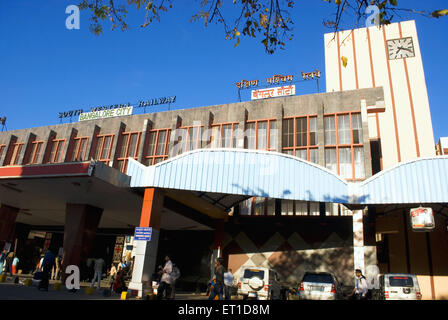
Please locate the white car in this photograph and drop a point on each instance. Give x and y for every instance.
(259, 283)
(399, 286)
(320, 286)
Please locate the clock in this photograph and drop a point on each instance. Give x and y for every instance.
(400, 48)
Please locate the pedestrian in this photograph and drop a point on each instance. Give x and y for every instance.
(39, 265)
(2, 260)
(373, 282)
(360, 290)
(112, 272)
(219, 284)
(98, 269)
(15, 263)
(47, 265)
(166, 280)
(228, 284)
(8, 263)
(55, 273)
(174, 276)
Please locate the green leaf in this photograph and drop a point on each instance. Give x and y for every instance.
(440, 13)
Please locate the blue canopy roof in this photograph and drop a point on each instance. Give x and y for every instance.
(275, 175)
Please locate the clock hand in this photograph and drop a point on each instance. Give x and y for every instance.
(402, 48)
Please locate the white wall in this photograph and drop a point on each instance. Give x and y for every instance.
(368, 66)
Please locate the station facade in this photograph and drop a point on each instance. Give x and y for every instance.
(320, 182)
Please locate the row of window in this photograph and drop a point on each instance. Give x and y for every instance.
(343, 141)
(259, 206)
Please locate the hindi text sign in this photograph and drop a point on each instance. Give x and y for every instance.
(273, 92)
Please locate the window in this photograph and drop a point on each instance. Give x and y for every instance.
(188, 139)
(129, 148)
(261, 135)
(157, 146)
(80, 149)
(299, 208)
(258, 206)
(57, 151)
(37, 148)
(2, 151)
(300, 137)
(224, 135)
(104, 148)
(344, 152)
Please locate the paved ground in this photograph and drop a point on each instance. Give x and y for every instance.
(11, 291)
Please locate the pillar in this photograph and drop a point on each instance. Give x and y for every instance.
(217, 246)
(81, 222)
(358, 240)
(146, 251)
(8, 216)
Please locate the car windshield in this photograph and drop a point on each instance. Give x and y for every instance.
(320, 278)
(397, 281)
(250, 273)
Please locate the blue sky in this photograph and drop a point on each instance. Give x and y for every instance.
(46, 68)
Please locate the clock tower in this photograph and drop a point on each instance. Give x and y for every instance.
(389, 57)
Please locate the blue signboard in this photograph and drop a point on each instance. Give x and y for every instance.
(143, 233)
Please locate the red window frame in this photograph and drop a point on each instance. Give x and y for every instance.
(80, 154)
(123, 158)
(198, 138)
(57, 149)
(99, 154)
(308, 146)
(350, 146)
(268, 134)
(17, 148)
(37, 147)
(221, 125)
(2, 149)
(154, 158)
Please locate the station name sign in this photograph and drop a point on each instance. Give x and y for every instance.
(273, 92)
(102, 114)
(140, 104)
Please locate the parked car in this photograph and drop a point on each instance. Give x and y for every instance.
(399, 286)
(259, 283)
(320, 286)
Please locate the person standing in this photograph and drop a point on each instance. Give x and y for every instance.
(2, 260)
(219, 284)
(55, 273)
(98, 270)
(47, 265)
(175, 274)
(228, 284)
(361, 289)
(8, 263)
(166, 280)
(373, 282)
(15, 263)
(112, 272)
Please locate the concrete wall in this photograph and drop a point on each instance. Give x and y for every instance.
(275, 108)
(293, 247)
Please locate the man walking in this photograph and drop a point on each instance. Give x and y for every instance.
(219, 284)
(47, 265)
(228, 284)
(98, 269)
(166, 280)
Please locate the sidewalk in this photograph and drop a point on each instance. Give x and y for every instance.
(11, 291)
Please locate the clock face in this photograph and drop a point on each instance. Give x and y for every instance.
(400, 48)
